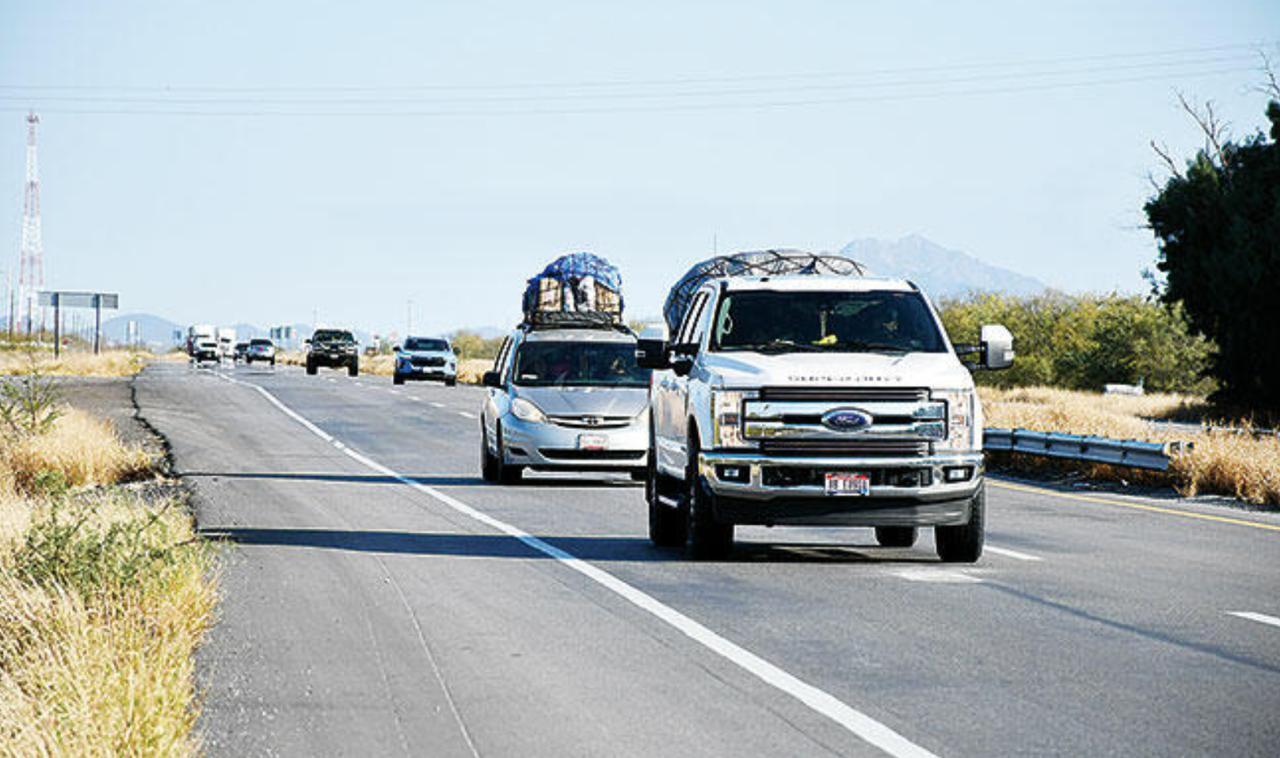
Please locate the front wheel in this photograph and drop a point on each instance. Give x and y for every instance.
(896, 536)
(668, 526)
(963, 543)
(397, 379)
(311, 369)
(708, 538)
(488, 463)
(451, 382)
(508, 473)
(353, 369)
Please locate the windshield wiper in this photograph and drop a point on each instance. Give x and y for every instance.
(875, 347)
(781, 346)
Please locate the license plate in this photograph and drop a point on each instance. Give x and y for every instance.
(593, 442)
(848, 484)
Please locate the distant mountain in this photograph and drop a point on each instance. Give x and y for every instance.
(153, 331)
(939, 271)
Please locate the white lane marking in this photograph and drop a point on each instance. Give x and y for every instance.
(464, 414)
(394, 392)
(1007, 553)
(332, 379)
(436, 405)
(1261, 618)
(821, 701)
(936, 575)
(414, 399)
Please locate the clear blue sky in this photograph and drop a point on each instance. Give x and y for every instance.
(352, 207)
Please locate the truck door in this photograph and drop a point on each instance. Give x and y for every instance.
(672, 433)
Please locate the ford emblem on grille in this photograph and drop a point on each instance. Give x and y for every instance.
(846, 420)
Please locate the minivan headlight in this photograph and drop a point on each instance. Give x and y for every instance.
(961, 429)
(726, 418)
(527, 411)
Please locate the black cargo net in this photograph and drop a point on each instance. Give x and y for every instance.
(755, 263)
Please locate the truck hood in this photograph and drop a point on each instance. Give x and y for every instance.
(751, 370)
(577, 401)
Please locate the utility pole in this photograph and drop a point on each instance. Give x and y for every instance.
(31, 255)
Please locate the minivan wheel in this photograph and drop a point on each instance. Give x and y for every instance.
(963, 543)
(451, 382)
(508, 473)
(488, 463)
(708, 539)
(896, 536)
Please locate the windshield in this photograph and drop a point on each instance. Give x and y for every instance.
(579, 364)
(438, 346)
(260, 343)
(842, 322)
(332, 335)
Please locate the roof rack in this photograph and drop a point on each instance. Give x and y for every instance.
(779, 262)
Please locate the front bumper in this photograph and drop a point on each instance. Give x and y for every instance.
(553, 446)
(410, 371)
(905, 491)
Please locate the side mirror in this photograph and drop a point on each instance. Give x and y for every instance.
(651, 347)
(492, 379)
(682, 363)
(997, 347)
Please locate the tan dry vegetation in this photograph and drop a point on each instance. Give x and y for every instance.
(104, 595)
(1232, 463)
(107, 363)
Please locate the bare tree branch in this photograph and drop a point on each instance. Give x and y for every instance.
(1163, 152)
(1270, 87)
(1215, 131)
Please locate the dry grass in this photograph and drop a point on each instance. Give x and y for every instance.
(82, 448)
(107, 363)
(104, 596)
(1229, 463)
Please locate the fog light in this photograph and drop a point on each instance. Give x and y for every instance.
(733, 473)
(958, 473)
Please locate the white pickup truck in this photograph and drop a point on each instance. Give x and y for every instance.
(815, 400)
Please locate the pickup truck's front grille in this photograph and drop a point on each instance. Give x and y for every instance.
(814, 476)
(848, 394)
(852, 447)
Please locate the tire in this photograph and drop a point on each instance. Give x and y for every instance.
(273, 363)
(451, 382)
(353, 369)
(963, 543)
(668, 527)
(311, 369)
(508, 473)
(896, 536)
(709, 540)
(488, 463)
(397, 379)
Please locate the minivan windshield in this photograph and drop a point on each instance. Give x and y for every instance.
(578, 364)
(841, 322)
(415, 343)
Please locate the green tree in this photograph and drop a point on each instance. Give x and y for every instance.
(1217, 224)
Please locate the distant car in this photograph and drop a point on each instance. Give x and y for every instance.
(241, 350)
(333, 348)
(260, 350)
(204, 349)
(425, 358)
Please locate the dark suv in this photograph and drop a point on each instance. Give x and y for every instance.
(333, 348)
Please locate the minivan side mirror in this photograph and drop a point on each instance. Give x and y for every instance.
(492, 379)
(997, 347)
(651, 348)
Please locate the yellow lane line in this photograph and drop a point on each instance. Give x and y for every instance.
(1138, 506)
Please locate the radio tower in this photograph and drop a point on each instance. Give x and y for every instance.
(31, 256)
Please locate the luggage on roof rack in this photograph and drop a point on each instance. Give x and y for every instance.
(579, 289)
(753, 263)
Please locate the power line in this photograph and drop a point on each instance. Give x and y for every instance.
(653, 108)
(678, 81)
(598, 96)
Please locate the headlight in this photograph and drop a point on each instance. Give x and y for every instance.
(726, 418)
(962, 431)
(527, 411)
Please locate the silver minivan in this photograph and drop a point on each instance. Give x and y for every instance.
(567, 399)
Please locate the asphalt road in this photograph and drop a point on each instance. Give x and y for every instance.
(379, 598)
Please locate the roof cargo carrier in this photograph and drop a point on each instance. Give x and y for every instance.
(575, 290)
(754, 263)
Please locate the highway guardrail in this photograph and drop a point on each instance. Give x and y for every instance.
(1153, 456)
